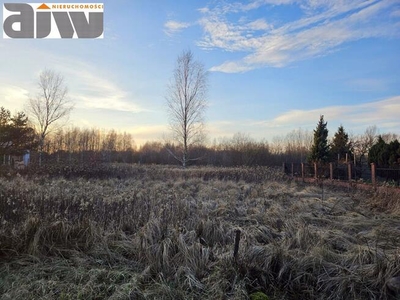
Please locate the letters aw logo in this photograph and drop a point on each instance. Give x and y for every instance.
(53, 20)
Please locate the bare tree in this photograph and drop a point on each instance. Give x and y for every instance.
(390, 137)
(186, 100)
(363, 143)
(50, 105)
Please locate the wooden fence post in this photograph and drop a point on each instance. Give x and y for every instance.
(373, 175)
(331, 171)
(315, 170)
(349, 170)
(302, 171)
(284, 168)
(292, 169)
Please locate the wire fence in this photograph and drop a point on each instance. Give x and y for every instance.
(349, 172)
(345, 172)
(388, 176)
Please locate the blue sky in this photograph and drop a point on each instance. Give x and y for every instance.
(275, 65)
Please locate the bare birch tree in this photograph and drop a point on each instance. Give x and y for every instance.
(186, 101)
(50, 106)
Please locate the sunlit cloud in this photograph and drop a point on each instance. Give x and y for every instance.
(143, 134)
(96, 92)
(90, 88)
(356, 118)
(381, 113)
(13, 97)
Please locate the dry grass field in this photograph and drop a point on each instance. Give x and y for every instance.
(155, 232)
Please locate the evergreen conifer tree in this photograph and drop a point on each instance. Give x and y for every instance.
(320, 148)
(340, 144)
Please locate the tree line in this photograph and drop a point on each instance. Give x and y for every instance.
(49, 109)
(74, 144)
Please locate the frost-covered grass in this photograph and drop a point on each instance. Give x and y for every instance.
(167, 233)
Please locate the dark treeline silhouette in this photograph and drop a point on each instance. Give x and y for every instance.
(76, 145)
(91, 145)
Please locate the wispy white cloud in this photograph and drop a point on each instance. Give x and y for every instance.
(12, 97)
(259, 24)
(322, 29)
(231, 67)
(93, 91)
(380, 113)
(91, 87)
(172, 27)
(356, 118)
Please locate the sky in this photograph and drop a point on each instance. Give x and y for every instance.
(274, 66)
